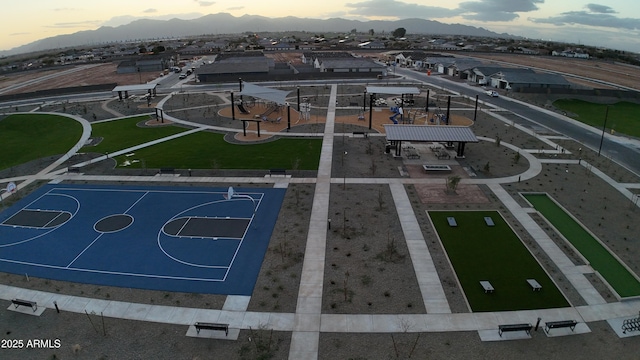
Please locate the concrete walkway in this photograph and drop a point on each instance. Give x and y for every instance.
(306, 332)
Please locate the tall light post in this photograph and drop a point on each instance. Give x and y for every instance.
(604, 127)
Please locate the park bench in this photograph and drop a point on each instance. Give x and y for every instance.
(535, 285)
(429, 167)
(361, 133)
(167, 171)
(73, 169)
(32, 304)
(488, 288)
(559, 324)
(212, 326)
(514, 327)
(282, 172)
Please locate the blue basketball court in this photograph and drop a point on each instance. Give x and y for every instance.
(162, 238)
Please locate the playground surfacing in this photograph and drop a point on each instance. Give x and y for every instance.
(159, 238)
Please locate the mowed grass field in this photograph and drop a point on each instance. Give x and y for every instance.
(479, 252)
(27, 137)
(124, 133)
(601, 259)
(201, 150)
(623, 117)
(206, 150)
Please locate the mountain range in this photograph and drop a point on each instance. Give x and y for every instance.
(224, 23)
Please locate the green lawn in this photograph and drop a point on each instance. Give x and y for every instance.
(624, 283)
(624, 117)
(206, 150)
(122, 134)
(27, 137)
(496, 254)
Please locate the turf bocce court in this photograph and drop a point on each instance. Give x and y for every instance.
(494, 253)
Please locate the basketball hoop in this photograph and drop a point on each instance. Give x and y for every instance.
(11, 187)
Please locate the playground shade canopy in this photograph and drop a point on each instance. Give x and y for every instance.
(265, 93)
(427, 133)
(393, 90)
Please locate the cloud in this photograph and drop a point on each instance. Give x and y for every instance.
(78, 24)
(235, 8)
(497, 10)
(150, 11)
(596, 18)
(398, 9)
(600, 9)
(20, 34)
(205, 3)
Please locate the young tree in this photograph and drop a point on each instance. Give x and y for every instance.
(452, 183)
(399, 32)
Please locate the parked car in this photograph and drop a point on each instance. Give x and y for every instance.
(492, 93)
(182, 76)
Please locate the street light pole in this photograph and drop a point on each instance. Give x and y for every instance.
(604, 127)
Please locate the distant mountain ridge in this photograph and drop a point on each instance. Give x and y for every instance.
(224, 23)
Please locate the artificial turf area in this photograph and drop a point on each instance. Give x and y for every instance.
(27, 137)
(479, 252)
(600, 258)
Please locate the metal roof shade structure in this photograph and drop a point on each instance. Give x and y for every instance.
(393, 90)
(430, 133)
(265, 93)
(136, 87)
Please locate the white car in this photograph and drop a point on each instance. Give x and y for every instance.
(492, 93)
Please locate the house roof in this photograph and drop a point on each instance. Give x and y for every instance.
(349, 63)
(236, 66)
(532, 78)
(428, 133)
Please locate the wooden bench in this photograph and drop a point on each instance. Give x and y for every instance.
(277, 172)
(361, 133)
(535, 285)
(73, 169)
(514, 327)
(32, 304)
(559, 324)
(167, 171)
(488, 288)
(212, 326)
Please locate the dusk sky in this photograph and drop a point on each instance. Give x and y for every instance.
(611, 23)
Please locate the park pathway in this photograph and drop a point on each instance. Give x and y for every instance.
(305, 338)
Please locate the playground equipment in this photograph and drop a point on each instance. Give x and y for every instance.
(439, 119)
(305, 111)
(242, 109)
(396, 111)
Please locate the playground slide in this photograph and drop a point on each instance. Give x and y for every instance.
(396, 111)
(242, 109)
